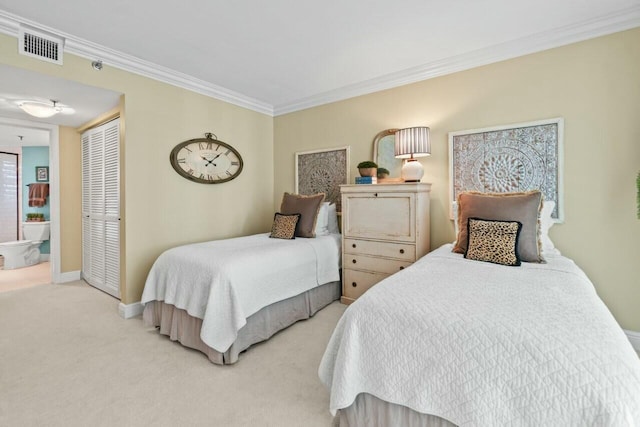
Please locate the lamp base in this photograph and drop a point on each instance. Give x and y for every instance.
(412, 171)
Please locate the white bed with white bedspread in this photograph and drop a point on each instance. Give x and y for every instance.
(225, 282)
(480, 344)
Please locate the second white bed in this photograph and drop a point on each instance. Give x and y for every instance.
(481, 344)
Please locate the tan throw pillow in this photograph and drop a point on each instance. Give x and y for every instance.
(493, 241)
(307, 207)
(284, 226)
(522, 207)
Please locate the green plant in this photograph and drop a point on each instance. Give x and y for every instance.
(382, 171)
(367, 164)
(32, 216)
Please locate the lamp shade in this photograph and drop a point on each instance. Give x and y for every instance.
(412, 142)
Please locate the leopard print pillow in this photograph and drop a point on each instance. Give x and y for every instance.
(284, 226)
(493, 241)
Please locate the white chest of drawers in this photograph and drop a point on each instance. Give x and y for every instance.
(385, 228)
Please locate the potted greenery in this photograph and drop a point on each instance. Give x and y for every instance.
(368, 168)
(383, 173)
(31, 217)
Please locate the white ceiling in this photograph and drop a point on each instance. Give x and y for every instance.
(19, 136)
(19, 84)
(282, 55)
(87, 101)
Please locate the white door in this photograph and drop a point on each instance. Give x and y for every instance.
(8, 197)
(101, 207)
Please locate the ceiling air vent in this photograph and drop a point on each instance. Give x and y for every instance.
(40, 44)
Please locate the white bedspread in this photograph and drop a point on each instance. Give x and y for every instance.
(485, 345)
(225, 281)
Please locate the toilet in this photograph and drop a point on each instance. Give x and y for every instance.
(23, 253)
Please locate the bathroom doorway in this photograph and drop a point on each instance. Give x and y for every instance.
(22, 151)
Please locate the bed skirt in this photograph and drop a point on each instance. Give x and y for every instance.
(369, 411)
(179, 326)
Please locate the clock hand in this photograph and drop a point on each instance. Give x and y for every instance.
(208, 161)
(211, 161)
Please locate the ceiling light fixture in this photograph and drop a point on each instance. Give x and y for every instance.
(39, 109)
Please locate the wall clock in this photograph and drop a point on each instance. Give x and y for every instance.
(206, 160)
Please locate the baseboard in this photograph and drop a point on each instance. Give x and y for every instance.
(634, 338)
(69, 276)
(127, 311)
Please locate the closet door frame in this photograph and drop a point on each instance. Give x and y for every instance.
(101, 206)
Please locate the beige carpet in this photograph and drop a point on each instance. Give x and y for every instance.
(68, 359)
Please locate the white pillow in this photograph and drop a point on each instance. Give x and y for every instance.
(333, 219)
(322, 222)
(546, 222)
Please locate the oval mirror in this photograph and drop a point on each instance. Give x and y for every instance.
(383, 152)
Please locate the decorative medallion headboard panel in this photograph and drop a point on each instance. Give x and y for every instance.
(322, 171)
(510, 158)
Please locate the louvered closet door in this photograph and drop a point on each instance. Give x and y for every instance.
(101, 207)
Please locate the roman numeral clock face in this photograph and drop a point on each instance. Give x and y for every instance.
(206, 160)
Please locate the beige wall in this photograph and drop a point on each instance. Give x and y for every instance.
(593, 85)
(162, 209)
(70, 202)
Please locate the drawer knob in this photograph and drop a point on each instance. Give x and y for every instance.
(353, 246)
(354, 261)
(354, 284)
(401, 251)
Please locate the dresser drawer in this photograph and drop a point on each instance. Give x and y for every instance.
(355, 283)
(375, 265)
(402, 251)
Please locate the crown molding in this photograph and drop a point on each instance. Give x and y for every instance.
(621, 20)
(10, 24)
(607, 24)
